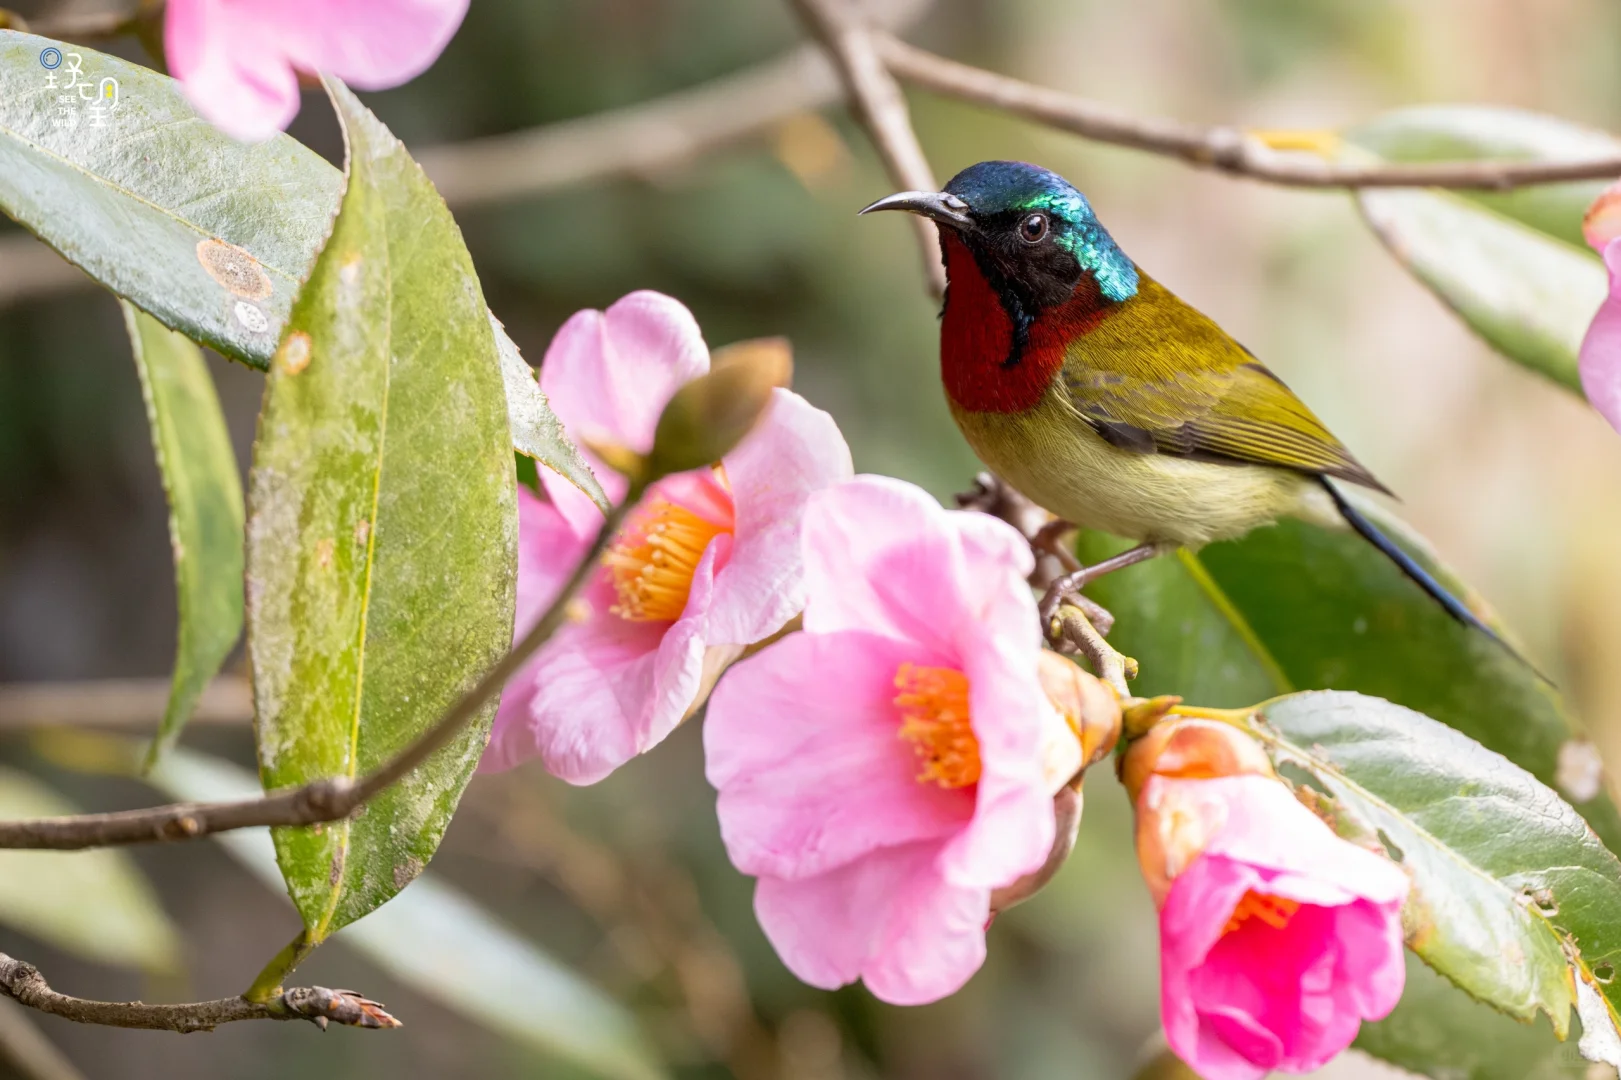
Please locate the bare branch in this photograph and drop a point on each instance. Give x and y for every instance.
(322, 800)
(1226, 149)
(878, 103)
(23, 983)
(84, 26)
(26, 1052)
(118, 704)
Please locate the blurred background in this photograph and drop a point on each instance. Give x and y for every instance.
(1512, 479)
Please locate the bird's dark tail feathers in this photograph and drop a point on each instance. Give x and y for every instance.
(1416, 573)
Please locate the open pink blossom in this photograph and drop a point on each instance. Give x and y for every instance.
(887, 768)
(1600, 361)
(707, 564)
(1277, 938)
(239, 60)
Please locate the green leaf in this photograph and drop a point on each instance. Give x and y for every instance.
(443, 945)
(1300, 607)
(382, 528)
(93, 904)
(1439, 1031)
(211, 236)
(1512, 265)
(1514, 898)
(200, 479)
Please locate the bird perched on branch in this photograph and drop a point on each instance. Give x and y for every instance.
(1096, 392)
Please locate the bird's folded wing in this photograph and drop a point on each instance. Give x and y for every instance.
(1181, 386)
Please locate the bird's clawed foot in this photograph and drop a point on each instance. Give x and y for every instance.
(1068, 588)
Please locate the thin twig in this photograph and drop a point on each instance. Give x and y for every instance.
(877, 101)
(26, 1052)
(322, 800)
(85, 26)
(22, 982)
(1075, 633)
(117, 704)
(1224, 148)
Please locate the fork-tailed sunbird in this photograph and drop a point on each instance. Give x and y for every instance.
(1093, 390)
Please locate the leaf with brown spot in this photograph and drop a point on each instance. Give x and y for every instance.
(217, 249)
(382, 528)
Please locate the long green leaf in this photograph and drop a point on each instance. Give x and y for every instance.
(1514, 898)
(200, 479)
(211, 236)
(1512, 265)
(93, 904)
(382, 528)
(1299, 607)
(443, 945)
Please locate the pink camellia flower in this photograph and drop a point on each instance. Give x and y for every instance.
(1277, 938)
(239, 60)
(885, 770)
(1600, 362)
(707, 564)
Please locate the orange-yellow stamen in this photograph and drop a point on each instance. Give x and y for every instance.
(933, 703)
(652, 561)
(1275, 911)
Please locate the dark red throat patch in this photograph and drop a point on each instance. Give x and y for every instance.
(976, 338)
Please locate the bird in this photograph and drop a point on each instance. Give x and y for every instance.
(1107, 400)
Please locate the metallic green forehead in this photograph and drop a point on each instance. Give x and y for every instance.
(1077, 231)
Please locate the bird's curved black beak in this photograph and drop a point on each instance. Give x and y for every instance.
(945, 208)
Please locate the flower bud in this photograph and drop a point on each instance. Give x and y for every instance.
(1192, 749)
(1602, 222)
(711, 414)
(1088, 705)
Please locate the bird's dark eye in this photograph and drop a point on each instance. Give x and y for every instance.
(1033, 229)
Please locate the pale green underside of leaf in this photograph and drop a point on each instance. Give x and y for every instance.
(200, 478)
(381, 531)
(130, 203)
(1513, 896)
(447, 948)
(1512, 265)
(92, 904)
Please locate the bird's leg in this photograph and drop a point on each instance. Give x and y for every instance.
(1070, 585)
(1049, 540)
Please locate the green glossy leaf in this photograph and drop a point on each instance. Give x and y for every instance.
(1300, 607)
(200, 479)
(1439, 1031)
(382, 528)
(211, 236)
(443, 945)
(1513, 264)
(1514, 898)
(93, 904)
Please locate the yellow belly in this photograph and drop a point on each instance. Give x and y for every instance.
(1053, 457)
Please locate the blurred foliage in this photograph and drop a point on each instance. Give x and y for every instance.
(627, 882)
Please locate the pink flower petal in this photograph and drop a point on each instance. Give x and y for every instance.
(883, 556)
(237, 59)
(796, 451)
(607, 689)
(548, 549)
(885, 919)
(1600, 358)
(802, 742)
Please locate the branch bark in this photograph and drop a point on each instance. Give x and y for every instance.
(1223, 148)
(22, 982)
(322, 800)
(877, 101)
